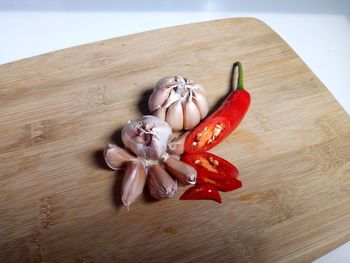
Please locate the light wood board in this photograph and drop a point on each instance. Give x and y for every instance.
(59, 203)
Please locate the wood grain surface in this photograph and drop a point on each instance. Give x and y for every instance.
(59, 202)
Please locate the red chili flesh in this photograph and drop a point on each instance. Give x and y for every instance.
(199, 192)
(213, 170)
(223, 121)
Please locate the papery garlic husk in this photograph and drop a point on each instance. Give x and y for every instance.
(115, 157)
(181, 171)
(147, 137)
(133, 182)
(197, 86)
(174, 116)
(167, 96)
(176, 145)
(192, 115)
(160, 184)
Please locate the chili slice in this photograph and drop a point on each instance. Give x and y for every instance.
(213, 170)
(199, 192)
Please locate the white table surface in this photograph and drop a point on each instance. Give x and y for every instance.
(319, 31)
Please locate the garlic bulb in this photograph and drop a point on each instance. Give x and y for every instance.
(133, 182)
(179, 102)
(147, 137)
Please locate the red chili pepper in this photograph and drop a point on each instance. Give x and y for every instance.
(204, 191)
(223, 121)
(213, 170)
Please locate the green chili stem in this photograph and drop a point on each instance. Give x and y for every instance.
(240, 76)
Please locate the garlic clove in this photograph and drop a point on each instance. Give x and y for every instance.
(173, 97)
(160, 113)
(201, 102)
(160, 184)
(176, 146)
(180, 170)
(174, 116)
(133, 182)
(192, 115)
(160, 93)
(115, 157)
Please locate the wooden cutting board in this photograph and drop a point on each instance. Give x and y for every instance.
(59, 202)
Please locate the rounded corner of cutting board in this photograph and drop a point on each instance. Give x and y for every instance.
(252, 21)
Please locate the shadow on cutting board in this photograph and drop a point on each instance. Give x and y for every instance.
(99, 160)
(118, 178)
(98, 157)
(117, 190)
(116, 137)
(142, 104)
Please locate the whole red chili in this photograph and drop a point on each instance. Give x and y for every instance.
(213, 170)
(203, 191)
(223, 121)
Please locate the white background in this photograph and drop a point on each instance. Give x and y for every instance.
(319, 31)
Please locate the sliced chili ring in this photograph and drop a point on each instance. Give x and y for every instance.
(213, 170)
(200, 192)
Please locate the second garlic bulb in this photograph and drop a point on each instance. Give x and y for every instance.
(179, 102)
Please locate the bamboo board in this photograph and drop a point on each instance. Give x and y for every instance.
(59, 202)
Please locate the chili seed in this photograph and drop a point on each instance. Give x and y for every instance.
(211, 159)
(194, 144)
(197, 161)
(205, 128)
(217, 131)
(215, 162)
(199, 134)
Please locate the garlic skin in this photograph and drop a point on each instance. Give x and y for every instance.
(160, 184)
(201, 102)
(180, 170)
(147, 137)
(160, 93)
(192, 115)
(160, 113)
(115, 157)
(174, 116)
(176, 144)
(167, 96)
(133, 182)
